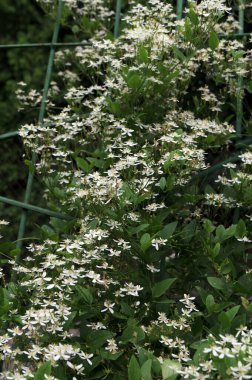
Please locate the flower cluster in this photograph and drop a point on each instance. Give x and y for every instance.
(122, 151)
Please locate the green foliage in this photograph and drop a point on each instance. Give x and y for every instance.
(150, 280)
(134, 371)
(161, 287)
(44, 369)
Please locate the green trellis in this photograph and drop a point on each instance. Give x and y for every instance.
(25, 206)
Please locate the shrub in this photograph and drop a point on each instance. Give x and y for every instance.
(150, 278)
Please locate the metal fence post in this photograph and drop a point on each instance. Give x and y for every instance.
(117, 18)
(40, 121)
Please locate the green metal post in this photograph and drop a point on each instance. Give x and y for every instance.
(8, 135)
(179, 9)
(241, 17)
(29, 185)
(239, 102)
(219, 166)
(239, 99)
(117, 18)
(44, 44)
(40, 210)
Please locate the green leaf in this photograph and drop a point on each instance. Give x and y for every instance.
(48, 232)
(248, 190)
(133, 334)
(172, 76)
(169, 162)
(145, 242)
(200, 355)
(202, 293)
(70, 320)
(15, 252)
(30, 165)
(83, 164)
(223, 233)
(99, 163)
(179, 54)
(134, 81)
(170, 368)
(188, 29)
(126, 309)
(4, 301)
(142, 54)
(134, 372)
(85, 294)
(44, 369)
(189, 231)
(97, 338)
(146, 370)
(75, 29)
(232, 312)
(59, 372)
(167, 231)
(238, 53)
(161, 287)
(170, 182)
(115, 107)
(136, 230)
(216, 250)
(210, 303)
(208, 226)
(226, 267)
(241, 229)
(220, 233)
(224, 320)
(217, 283)
(6, 247)
(162, 183)
(230, 231)
(193, 17)
(145, 355)
(213, 41)
(109, 355)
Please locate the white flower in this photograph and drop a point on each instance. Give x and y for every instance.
(96, 277)
(108, 307)
(163, 318)
(165, 340)
(78, 368)
(186, 298)
(244, 239)
(33, 352)
(246, 158)
(56, 352)
(242, 330)
(4, 222)
(213, 349)
(158, 242)
(112, 346)
(207, 366)
(86, 357)
(97, 326)
(154, 207)
(188, 303)
(152, 269)
(224, 351)
(16, 331)
(130, 289)
(241, 371)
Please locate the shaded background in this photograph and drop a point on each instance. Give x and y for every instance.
(21, 21)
